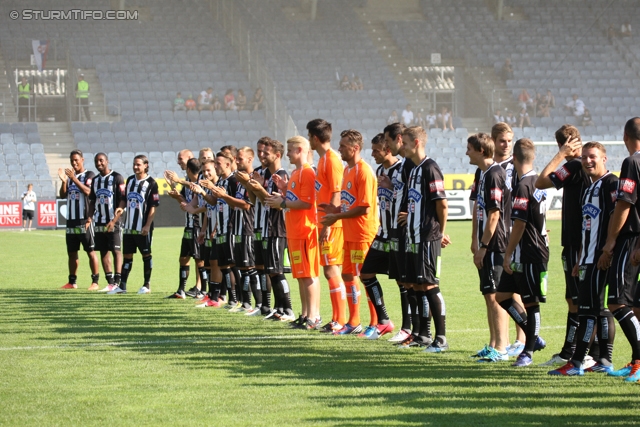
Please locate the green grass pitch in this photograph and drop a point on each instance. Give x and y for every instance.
(80, 358)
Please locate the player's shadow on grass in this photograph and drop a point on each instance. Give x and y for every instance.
(448, 388)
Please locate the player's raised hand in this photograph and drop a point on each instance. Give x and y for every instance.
(280, 182)
(61, 174)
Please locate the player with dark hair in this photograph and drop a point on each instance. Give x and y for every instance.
(622, 238)
(598, 203)
(359, 214)
(426, 221)
(397, 236)
(76, 187)
(141, 201)
(189, 248)
(107, 190)
(573, 179)
(491, 233)
(329, 174)
(377, 260)
(527, 253)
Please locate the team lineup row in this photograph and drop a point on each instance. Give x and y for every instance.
(357, 223)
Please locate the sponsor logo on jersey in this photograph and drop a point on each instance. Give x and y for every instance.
(613, 196)
(496, 194)
(591, 210)
(385, 193)
(104, 192)
(627, 185)
(436, 186)
(562, 173)
(156, 197)
(539, 195)
(349, 185)
(290, 196)
(318, 186)
(347, 197)
(122, 188)
(414, 195)
(520, 203)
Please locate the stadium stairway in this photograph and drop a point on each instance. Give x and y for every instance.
(58, 143)
(8, 108)
(372, 17)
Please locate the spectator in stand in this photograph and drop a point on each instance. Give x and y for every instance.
(407, 116)
(178, 103)
(24, 99)
(430, 120)
(507, 70)
(510, 119)
(190, 103)
(575, 106)
(524, 119)
(551, 99)
(229, 100)
(445, 119)
(420, 120)
(205, 98)
(258, 100)
(82, 97)
(542, 106)
(498, 117)
(28, 207)
(625, 30)
(586, 118)
(393, 118)
(524, 99)
(216, 103)
(344, 83)
(241, 102)
(357, 84)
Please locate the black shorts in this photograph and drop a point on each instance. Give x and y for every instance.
(27, 214)
(491, 272)
(422, 262)
(530, 281)
(224, 245)
(131, 243)
(396, 251)
(108, 241)
(257, 249)
(622, 279)
(273, 254)
(243, 254)
(209, 250)
(591, 293)
(80, 235)
(190, 248)
(569, 259)
(377, 259)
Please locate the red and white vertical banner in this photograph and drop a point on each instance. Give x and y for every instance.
(47, 213)
(10, 214)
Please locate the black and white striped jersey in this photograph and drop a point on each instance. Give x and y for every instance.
(598, 203)
(212, 215)
(243, 218)
(386, 200)
(77, 202)
(273, 221)
(190, 220)
(141, 195)
(226, 212)
(529, 205)
(628, 192)
(490, 196)
(106, 193)
(258, 217)
(573, 180)
(399, 181)
(424, 188)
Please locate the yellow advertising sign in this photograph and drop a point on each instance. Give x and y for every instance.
(163, 187)
(458, 181)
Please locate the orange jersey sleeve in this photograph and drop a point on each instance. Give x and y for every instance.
(300, 223)
(328, 180)
(360, 188)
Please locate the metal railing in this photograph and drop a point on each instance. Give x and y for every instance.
(228, 15)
